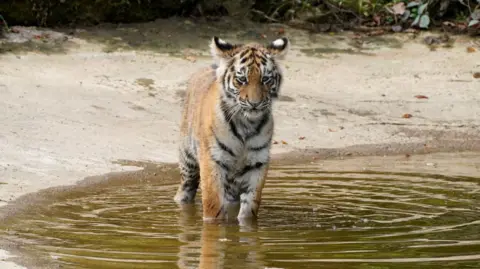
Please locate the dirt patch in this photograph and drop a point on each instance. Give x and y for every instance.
(180, 94)
(319, 52)
(284, 98)
(137, 107)
(361, 113)
(187, 38)
(145, 82)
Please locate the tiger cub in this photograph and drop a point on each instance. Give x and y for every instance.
(227, 127)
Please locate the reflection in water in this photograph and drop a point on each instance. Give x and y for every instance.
(309, 219)
(216, 239)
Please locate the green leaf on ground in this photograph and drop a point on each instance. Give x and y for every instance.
(413, 4)
(424, 21)
(422, 8)
(473, 22)
(406, 15)
(416, 21)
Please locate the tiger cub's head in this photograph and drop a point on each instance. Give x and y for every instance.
(249, 74)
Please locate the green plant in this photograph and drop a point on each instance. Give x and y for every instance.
(475, 16)
(419, 11)
(366, 8)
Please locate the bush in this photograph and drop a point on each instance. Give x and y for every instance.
(60, 12)
(417, 13)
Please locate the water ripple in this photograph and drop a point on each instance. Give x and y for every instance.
(309, 218)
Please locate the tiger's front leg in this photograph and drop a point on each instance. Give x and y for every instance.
(252, 181)
(213, 174)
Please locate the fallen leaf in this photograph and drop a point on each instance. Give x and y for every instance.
(476, 75)
(475, 20)
(191, 58)
(301, 137)
(432, 40)
(421, 97)
(447, 23)
(471, 49)
(284, 143)
(275, 142)
(407, 155)
(376, 33)
(331, 130)
(462, 26)
(281, 31)
(399, 8)
(263, 36)
(356, 36)
(407, 116)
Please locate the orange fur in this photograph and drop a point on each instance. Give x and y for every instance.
(199, 118)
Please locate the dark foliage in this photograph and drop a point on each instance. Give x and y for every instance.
(417, 13)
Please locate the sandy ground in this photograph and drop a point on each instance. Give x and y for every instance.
(73, 114)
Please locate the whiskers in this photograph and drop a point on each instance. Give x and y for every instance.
(266, 106)
(230, 111)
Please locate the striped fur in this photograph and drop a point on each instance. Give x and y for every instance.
(227, 128)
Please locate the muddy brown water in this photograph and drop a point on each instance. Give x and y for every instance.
(310, 218)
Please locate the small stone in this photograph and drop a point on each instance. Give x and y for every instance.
(397, 28)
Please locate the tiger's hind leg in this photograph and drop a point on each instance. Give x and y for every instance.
(190, 177)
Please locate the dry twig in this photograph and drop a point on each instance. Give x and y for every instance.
(263, 15)
(335, 7)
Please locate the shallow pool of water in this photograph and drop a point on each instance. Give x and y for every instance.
(310, 218)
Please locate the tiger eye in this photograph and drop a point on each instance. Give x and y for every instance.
(266, 79)
(242, 80)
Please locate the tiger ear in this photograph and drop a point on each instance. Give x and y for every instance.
(279, 47)
(221, 49)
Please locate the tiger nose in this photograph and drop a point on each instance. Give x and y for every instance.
(253, 104)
